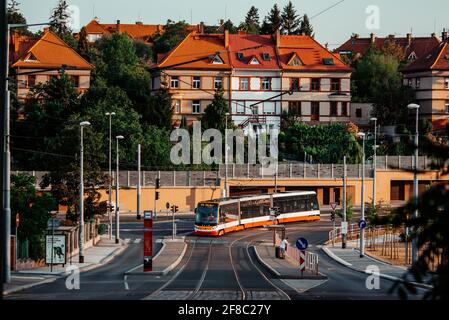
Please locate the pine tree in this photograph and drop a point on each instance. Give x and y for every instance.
(306, 27)
(228, 25)
(290, 20)
(59, 19)
(13, 14)
(83, 45)
(215, 114)
(272, 22)
(251, 24)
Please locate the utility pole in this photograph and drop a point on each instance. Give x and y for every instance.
(139, 183)
(375, 163)
(81, 231)
(117, 187)
(343, 236)
(225, 194)
(4, 265)
(110, 114)
(362, 230)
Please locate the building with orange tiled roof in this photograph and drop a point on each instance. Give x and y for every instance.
(319, 79)
(192, 71)
(413, 47)
(429, 77)
(37, 60)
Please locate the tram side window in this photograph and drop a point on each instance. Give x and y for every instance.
(293, 204)
(255, 208)
(229, 212)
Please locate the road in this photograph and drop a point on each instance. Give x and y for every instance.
(214, 268)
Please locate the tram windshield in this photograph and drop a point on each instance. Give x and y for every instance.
(207, 214)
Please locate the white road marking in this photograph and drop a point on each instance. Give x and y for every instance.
(137, 240)
(126, 283)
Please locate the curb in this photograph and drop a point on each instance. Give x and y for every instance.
(60, 275)
(382, 275)
(159, 273)
(275, 273)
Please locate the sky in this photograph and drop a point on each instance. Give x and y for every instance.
(332, 27)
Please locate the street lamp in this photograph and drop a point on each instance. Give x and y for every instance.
(362, 230)
(414, 106)
(110, 114)
(226, 156)
(374, 162)
(81, 231)
(117, 186)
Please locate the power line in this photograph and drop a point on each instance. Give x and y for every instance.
(327, 9)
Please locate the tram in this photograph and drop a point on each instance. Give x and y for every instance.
(220, 216)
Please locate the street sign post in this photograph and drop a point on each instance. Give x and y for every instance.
(302, 243)
(334, 206)
(147, 241)
(362, 224)
(302, 261)
(344, 227)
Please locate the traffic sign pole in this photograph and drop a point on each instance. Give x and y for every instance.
(148, 242)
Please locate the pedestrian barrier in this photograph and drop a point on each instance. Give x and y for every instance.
(312, 259)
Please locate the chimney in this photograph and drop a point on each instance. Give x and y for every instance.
(278, 38)
(409, 38)
(221, 22)
(372, 38)
(46, 30)
(201, 28)
(226, 38)
(118, 26)
(444, 35)
(355, 36)
(391, 36)
(139, 23)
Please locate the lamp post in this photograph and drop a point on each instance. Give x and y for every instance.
(117, 187)
(362, 231)
(414, 106)
(81, 231)
(374, 162)
(110, 114)
(226, 156)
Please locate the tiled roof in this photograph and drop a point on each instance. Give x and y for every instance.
(310, 52)
(197, 47)
(252, 46)
(436, 59)
(49, 51)
(419, 45)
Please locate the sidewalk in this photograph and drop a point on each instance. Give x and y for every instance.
(350, 257)
(168, 258)
(94, 257)
(281, 268)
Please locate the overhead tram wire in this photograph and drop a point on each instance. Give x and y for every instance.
(327, 9)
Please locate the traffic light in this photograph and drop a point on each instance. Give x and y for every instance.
(158, 183)
(174, 208)
(157, 195)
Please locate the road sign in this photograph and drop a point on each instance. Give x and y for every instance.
(344, 227)
(302, 260)
(302, 243)
(333, 206)
(362, 224)
(55, 249)
(17, 220)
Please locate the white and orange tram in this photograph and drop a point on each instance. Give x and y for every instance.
(220, 216)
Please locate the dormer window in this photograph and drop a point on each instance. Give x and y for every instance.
(31, 58)
(254, 61)
(217, 60)
(328, 61)
(266, 56)
(295, 61)
(412, 56)
(240, 56)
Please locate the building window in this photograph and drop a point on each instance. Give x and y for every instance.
(335, 85)
(269, 107)
(315, 84)
(31, 81)
(75, 81)
(344, 109)
(294, 108)
(266, 84)
(418, 83)
(195, 106)
(294, 84)
(174, 83)
(240, 107)
(409, 83)
(315, 111)
(218, 82)
(397, 191)
(446, 83)
(334, 110)
(446, 107)
(177, 106)
(358, 113)
(196, 83)
(244, 83)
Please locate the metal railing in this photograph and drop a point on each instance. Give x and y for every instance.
(312, 260)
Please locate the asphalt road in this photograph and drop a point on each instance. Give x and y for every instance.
(215, 268)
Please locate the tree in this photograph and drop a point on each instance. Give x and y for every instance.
(272, 22)
(13, 14)
(349, 210)
(173, 33)
(306, 27)
(377, 80)
(390, 48)
(228, 25)
(160, 111)
(290, 20)
(59, 24)
(83, 44)
(251, 23)
(34, 209)
(215, 114)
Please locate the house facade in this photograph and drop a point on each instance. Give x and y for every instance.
(429, 77)
(191, 72)
(36, 61)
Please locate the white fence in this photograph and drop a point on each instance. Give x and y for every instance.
(293, 252)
